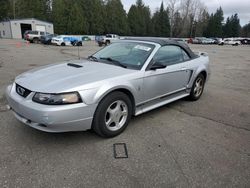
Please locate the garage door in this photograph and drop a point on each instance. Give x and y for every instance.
(40, 28)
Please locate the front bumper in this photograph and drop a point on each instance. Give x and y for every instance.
(57, 43)
(50, 118)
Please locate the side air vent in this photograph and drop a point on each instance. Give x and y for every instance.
(74, 65)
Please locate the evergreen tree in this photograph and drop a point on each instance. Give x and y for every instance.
(139, 19)
(94, 12)
(214, 27)
(245, 31)
(76, 20)
(60, 13)
(108, 16)
(132, 20)
(232, 26)
(4, 9)
(236, 26)
(116, 18)
(161, 22)
(177, 25)
(31, 9)
(202, 23)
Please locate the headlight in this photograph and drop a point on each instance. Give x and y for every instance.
(57, 99)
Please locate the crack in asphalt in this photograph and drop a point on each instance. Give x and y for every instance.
(207, 118)
(65, 52)
(222, 147)
(174, 157)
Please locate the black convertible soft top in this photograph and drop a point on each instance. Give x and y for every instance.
(164, 42)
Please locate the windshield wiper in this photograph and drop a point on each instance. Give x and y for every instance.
(115, 62)
(93, 58)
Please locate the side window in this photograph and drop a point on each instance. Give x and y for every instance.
(169, 55)
(34, 32)
(185, 55)
(41, 33)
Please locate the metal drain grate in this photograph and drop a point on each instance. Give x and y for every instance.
(120, 151)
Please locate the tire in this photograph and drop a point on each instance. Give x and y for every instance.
(79, 44)
(112, 115)
(107, 43)
(197, 88)
(35, 40)
(63, 44)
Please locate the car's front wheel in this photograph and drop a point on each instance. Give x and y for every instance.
(36, 40)
(197, 88)
(112, 115)
(107, 43)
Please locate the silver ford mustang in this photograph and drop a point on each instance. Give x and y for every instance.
(126, 78)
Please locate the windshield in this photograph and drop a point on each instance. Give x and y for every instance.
(128, 54)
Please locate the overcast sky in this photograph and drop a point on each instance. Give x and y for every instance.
(242, 7)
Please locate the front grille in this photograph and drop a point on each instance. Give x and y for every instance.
(22, 91)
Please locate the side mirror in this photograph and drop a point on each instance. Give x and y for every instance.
(157, 65)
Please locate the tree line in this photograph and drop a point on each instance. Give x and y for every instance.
(178, 18)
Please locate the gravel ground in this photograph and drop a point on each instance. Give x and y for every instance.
(183, 144)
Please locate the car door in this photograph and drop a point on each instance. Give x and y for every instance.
(172, 79)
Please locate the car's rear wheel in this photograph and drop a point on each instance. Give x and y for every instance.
(197, 88)
(112, 115)
(79, 43)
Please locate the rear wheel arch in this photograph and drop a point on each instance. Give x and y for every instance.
(204, 73)
(35, 40)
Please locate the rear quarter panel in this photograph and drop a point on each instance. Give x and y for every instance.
(198, 65)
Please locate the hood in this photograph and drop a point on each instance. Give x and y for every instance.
(65, 77)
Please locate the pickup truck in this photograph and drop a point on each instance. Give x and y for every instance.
(34, 36)
(106, 40)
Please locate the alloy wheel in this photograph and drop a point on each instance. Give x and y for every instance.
(116, 115)
(199, 84)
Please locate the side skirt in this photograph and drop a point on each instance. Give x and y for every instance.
(145, 107)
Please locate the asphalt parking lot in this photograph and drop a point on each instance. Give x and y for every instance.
(183, 144)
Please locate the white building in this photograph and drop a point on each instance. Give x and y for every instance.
(16, 28)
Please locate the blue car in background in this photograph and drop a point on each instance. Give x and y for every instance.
(67, 41)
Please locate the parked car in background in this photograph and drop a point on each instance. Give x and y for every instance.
(66, 41)
(231, 41)
(106, 40)
(180, 40)
(46, 39)
(220, 41)
(34, 36)
(86, 38)
(245, 41)
(194, 41)
(126, 78)
(207, 40)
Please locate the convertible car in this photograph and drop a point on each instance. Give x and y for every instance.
(124, 79)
